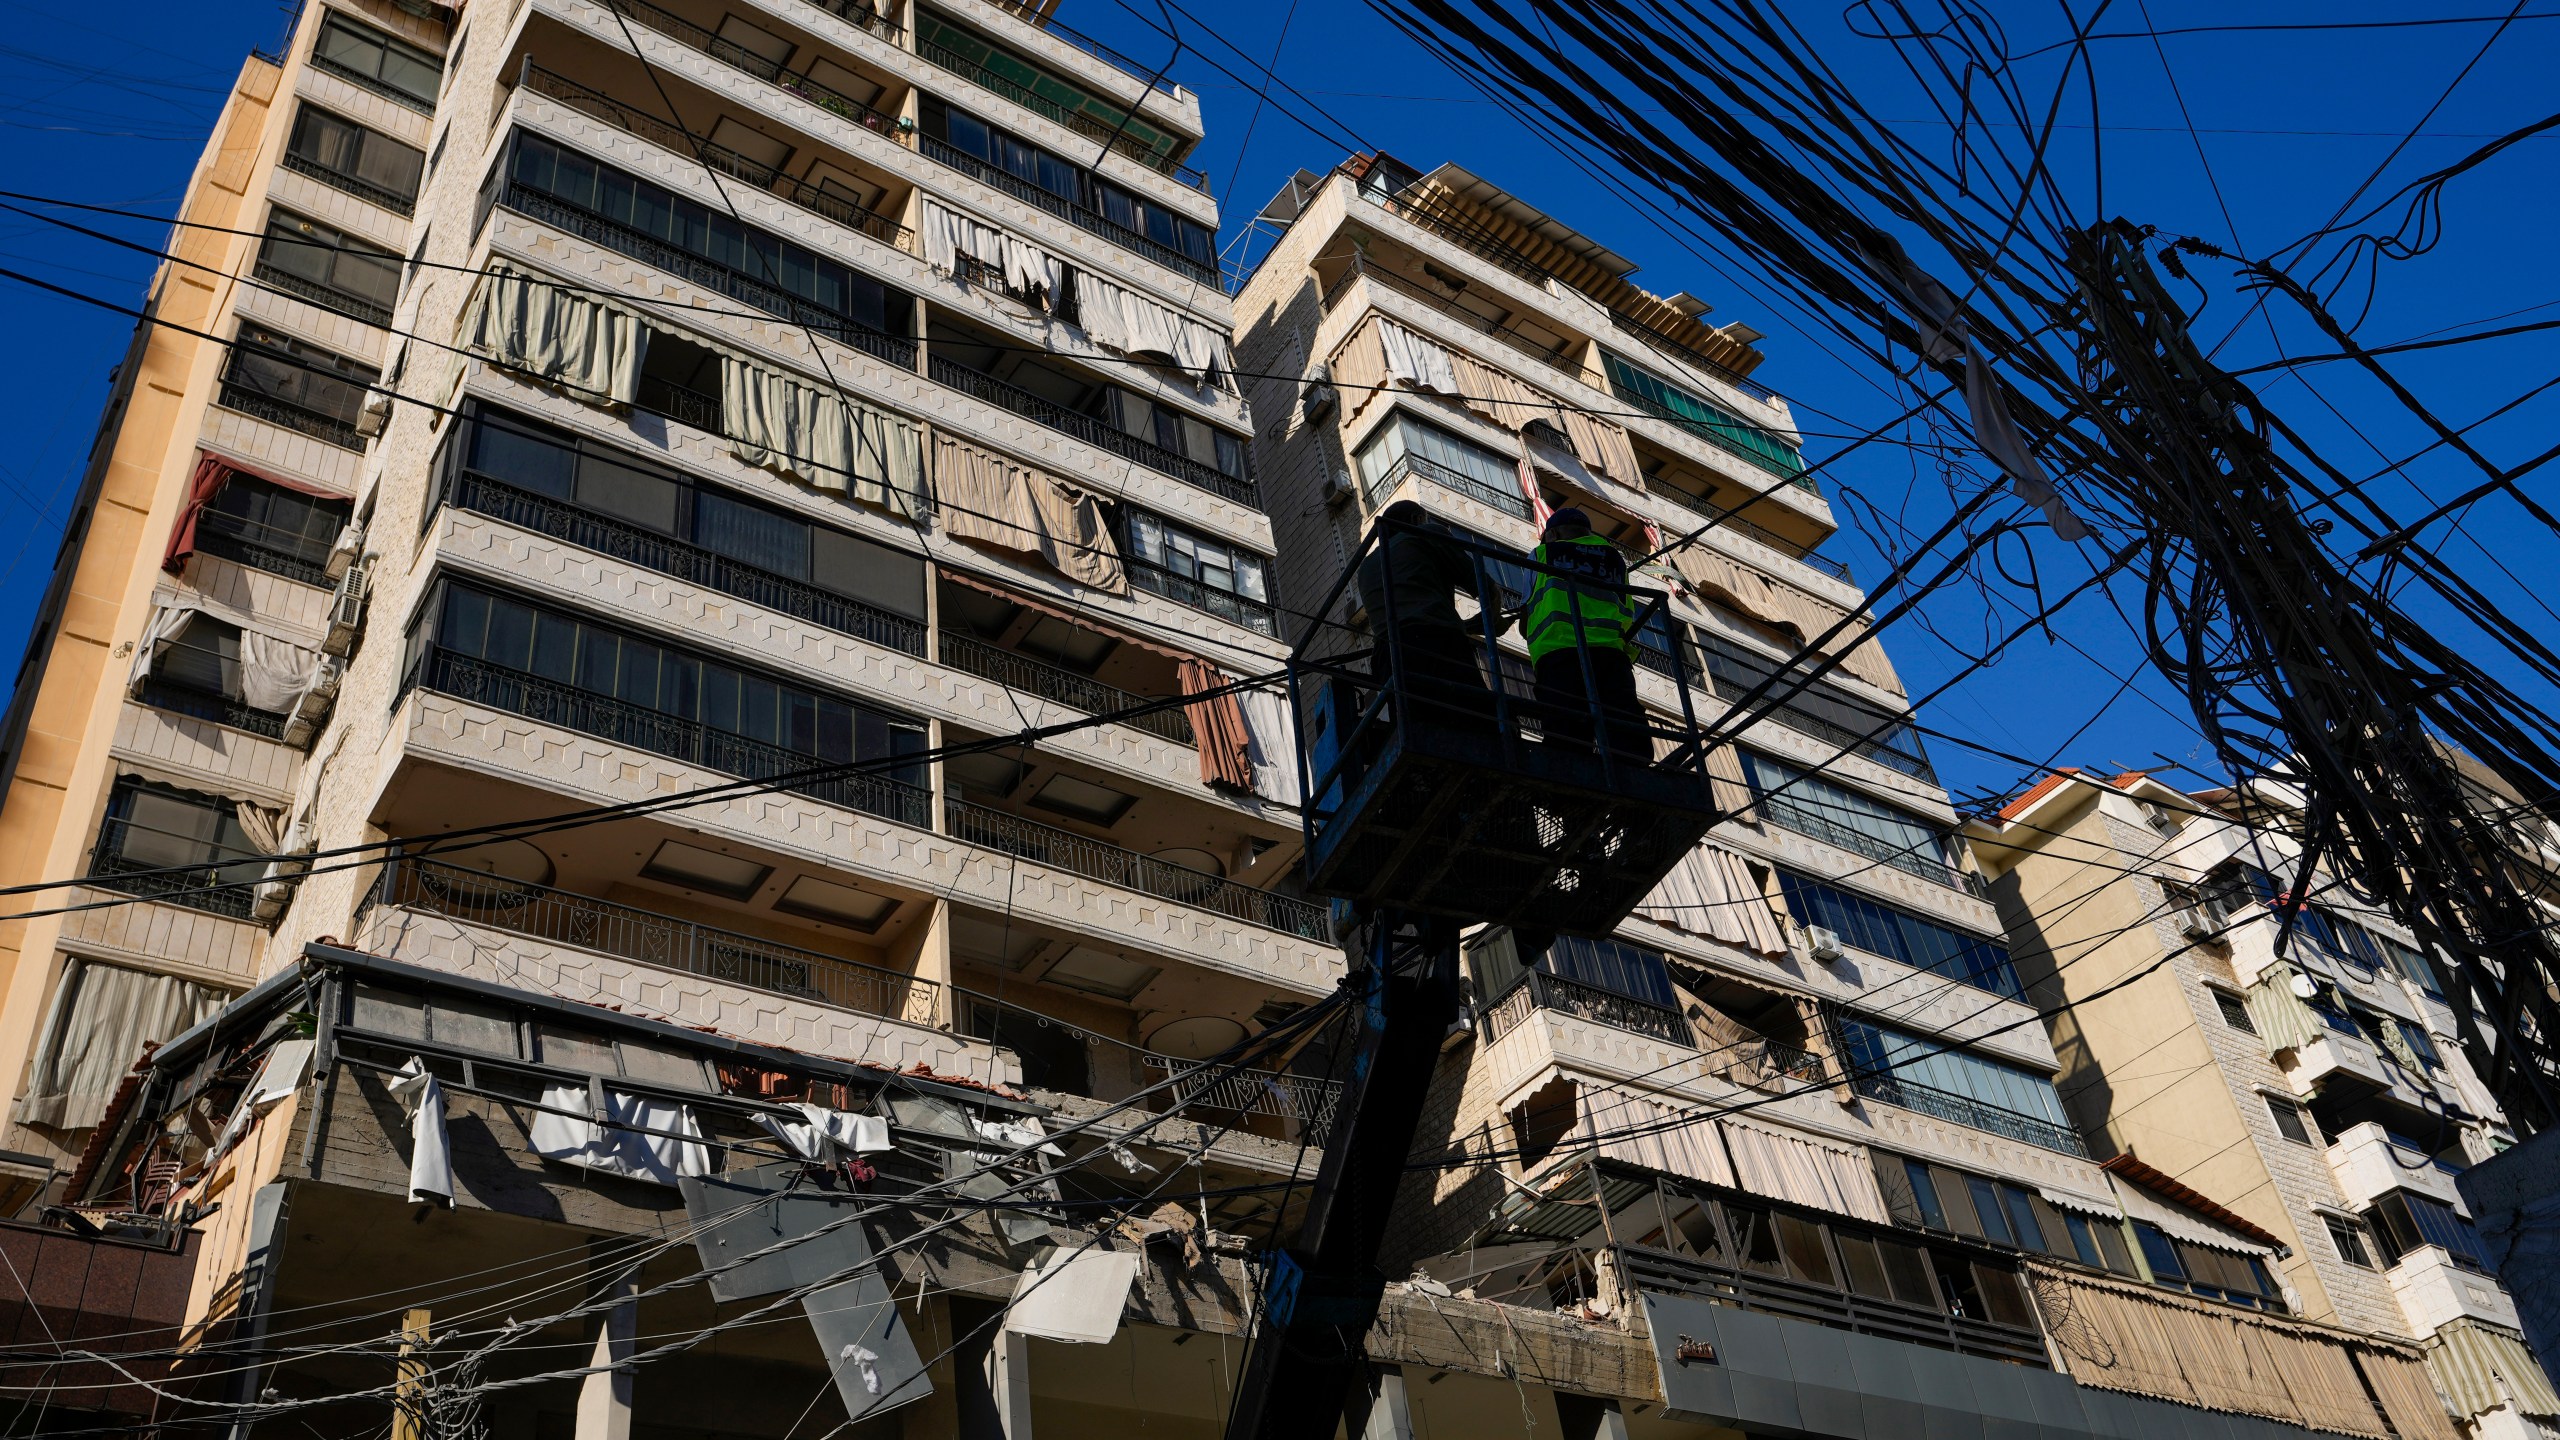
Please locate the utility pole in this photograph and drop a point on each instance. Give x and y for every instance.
(409, 1393)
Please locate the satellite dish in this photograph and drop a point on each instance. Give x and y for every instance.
(2305, 988)
(1196, 1037)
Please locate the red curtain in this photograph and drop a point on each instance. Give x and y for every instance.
(211, 474)
(1217, 727)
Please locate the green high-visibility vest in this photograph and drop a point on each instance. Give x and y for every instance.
(1555, 603)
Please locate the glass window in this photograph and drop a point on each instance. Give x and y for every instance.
(1131, 211)
(2004, 1297)
(1808, 1258)
(470, 1024)
(662, 1064)
(1810, 805)
(1988, 1207)
(308, 250)
(2024, 1227)
(2084, 1243)
(1704, 418)
(2412, 964)
(1756, 1238)
(1198, 571)
(1907, 1266)
(752, 534)
(269, 518)
(2288, 1118)
(152, 827)
(2234, 1013)
(1880, 1051)
(1879, 929)
(2404, 1221)
(2420, 1043)
(1450, 461)
(278, 367)
(389, 1012)
(348, 149)
(2161, 1253)
(1864, 1264)
(1925, 1190)
(411, 74)
(1614, 966)
(628, 492)
(204, 656)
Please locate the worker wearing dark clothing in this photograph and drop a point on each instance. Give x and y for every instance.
(1413, 581)
(1577, 629)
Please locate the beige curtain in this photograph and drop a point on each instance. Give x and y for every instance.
(1497, 395)
(1804, 1171)
(1711, 893)
(1359, 367)
(2408, 1396)
(102, 1017)
(554, 333)
(1133, 324)
(261, 827)
(1776, 603)
(992, 500)
(2111, 1337)
(1727, 787)
(276, 674)
(1676, 1140)
(2283, 1021)
(827, 442)
(2482, 1367)
(2323, 1381)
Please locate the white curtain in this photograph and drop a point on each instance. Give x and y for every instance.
(1711, 893)
(166, 621)
(823, 1136)
(430, 1153)
(102, 1017)
(1805, 1171)
(1271, 744)
(279, 1075)
(1123, 320)
(274, 674)
(616, 1147)
(947, 235)
(826, 442)
(555, 333)
(1420, 363)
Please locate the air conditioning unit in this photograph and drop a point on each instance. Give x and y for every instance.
(346, 611)
(1338, 488)
(2195, 926)
(374, 416)
(1319, 399)
(274, 892)
(309, 712)
(1824, 943)
(344, 550)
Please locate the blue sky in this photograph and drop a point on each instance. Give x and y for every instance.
(2289, 123)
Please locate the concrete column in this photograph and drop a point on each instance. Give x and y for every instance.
(2515, 1201)
(1009, 1381)
(1586, 1417)
(604, 1398)
(1380, 1410)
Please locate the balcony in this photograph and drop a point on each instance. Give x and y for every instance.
(598, 106)
(196, 704)
(1096, 860)
(371, 83)
(222, 536)
(2370, 1161)
(1037, 16)
(1362, 267)
(327, 429)
(860, 15)
(982, 386)
(1695, 415)
(1971, 1113)
(550, 702)
(1409, 465)
(1077, 692)
(1113, 141)
(2432, 1289)
(634, 545)
(1705, 510)
(736, 284)
(1074, 212)
(584, 923)
(1788, 813)
(207, 890)
(1939, 1327)
(356, 185)
(1542, 991)
(737, 57)
(327, 297)
(1302, 1103)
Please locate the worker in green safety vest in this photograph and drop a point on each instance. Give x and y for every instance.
(1577, 630)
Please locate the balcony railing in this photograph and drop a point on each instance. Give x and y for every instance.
(1036, 17)
(1077, 692)
(1539, 990)
(1677, 350)
(356, 185)
(362, 81)
(551, 702)
(859, 13)
(1967, 1111)
(563, 918)
(354, 307)
(562, 520)
(738, 57)
(186, 700)
(1361, 267)
(679, 141)
(650, 250)
(1510, 502)
(677, 403)
(1095, 860)
(215, 536)
(328, 429)
(218, 892)
(1892, 757)
(1073, 212)
(1305, 1100)
(1807, 820)
(1837, 1308)
(996, 392)
(1235, 609)
(1792, 471)
(1114, 140)
(1705, 510)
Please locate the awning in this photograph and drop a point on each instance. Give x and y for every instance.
(211, 474)
(2142, 1205)
(2483, 1367)
(1059, 612)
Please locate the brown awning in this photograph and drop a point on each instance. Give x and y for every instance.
(1058, 611)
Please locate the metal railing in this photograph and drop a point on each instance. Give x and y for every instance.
(161, 694)
(1864, 744)
(1706, 509)
(677, 403)
(562, 917)
(1539, 990)
(1510, 502)
(552, 702)
(860, 14)
(1115, 140)
(1095, 860)
(1792, 471)
(328, 429)
(1074, 212)
(1834, 1307)
(1678, 350)
(1795, 1062)
(1035, 17)
(562, 520)
(747, 62)
(1307, 1101)
(354, 307)
(356, 185)
(213, 538)
(1362, 266)
(1235, 609)
(362, 81)
(213, 891)
(650, 250)
(1079, 692)
(1482, 246)
(680, 141)
(1802, 818)
(1967, 1111)
(982, 386)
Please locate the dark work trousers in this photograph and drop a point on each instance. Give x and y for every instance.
(1566, 707)
(1442, 679)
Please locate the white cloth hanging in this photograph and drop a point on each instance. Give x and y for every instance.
(947, 234)
(166, 622)
(1420, 363)
(1022, 1134)
(616, 1147)
(275, 674)
(554, 333)
(823, 1136)
(102, 1016)
(430, 1152)
(1271, 739)
(826, 442)
(279, 1075)
(1120, 319)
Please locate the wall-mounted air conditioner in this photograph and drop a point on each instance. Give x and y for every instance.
(1824, 943)
(346, 611)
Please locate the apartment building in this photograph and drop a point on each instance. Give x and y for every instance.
(2314, 1087)
(1794, 1119)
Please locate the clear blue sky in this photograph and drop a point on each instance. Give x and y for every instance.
(2290, 124)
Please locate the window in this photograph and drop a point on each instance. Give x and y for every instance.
(1169, 428)
(268, 527)
(2161, 1254)
(697, 229)
(2234, 1013)
(269, 369)
(1138, 214)
(2412, 965)
(1924, 1189)
(1704, 418)
(1612, 965)
(2288, 1118)
(2404, 1221)
(1405, 444)
(1020, 159)
(1879, 929)
(1194, 570)
(1053, 1056)
(331, 268)
(1810, 805)
(2347, 1238)
(1971, 1089)
(2420, 1043)
(341, 152)
(378, 63)
(2084, 1242)
(1818, 709)
(153, 828)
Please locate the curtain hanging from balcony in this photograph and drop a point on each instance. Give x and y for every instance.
(1669, 1138)
(1767, 600)
(633, 1135)
(2283, 1021)
(274, 674)
(827, 442)
(1420, 363)
(1804, 1171)
(2482, 1367)
(1359, 370)
(212, 472)
(167, 622)
(1711, 893)
(992, 500)
(1133, 324)
(101, 1018)
(947, 234)
(554, 333)
(2409, 1396)
(1217, 727)
(1273, 735)
(2110, 1336)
